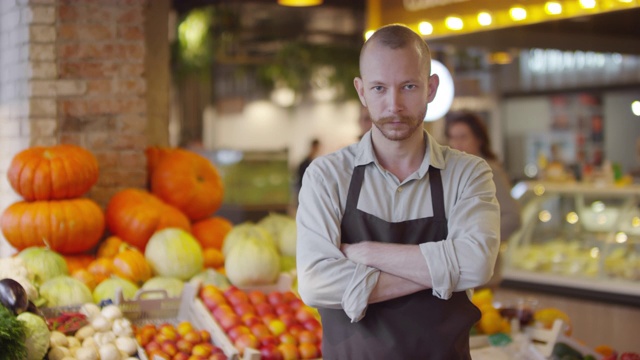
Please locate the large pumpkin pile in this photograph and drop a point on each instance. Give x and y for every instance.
(145, 238)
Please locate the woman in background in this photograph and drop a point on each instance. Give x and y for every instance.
(466, 132)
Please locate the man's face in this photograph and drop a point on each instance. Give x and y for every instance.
(396, 88)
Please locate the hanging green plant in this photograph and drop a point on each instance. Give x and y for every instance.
(296, 64)
(193, 48)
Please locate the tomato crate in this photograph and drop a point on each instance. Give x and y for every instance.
(219, 335)
(282, 285)
(157, 308)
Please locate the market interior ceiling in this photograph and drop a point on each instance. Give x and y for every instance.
(268, 25)
(616, 32)
(262, 27)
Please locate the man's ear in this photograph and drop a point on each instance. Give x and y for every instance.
(359, 85)
(434, 81)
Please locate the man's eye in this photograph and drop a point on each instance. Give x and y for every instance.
(377, 88)
(410, 87)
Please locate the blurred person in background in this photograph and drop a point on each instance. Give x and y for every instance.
(314, 151)
(465, 131)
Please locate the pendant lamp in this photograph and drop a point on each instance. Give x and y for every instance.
(299, 3)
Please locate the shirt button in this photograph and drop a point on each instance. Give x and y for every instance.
(400, 189)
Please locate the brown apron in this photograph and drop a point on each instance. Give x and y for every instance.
(415, 326)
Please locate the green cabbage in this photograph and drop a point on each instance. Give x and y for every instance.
(37, 339)
(283, 231)
(287, 263)
(108, 288)
(210, 277)
(245, 230)
(252, 262)
(288, 237)
(175, 253)
(171, 285)
(64, 291)
(43, 264)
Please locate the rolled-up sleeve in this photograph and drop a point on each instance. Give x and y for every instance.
(466, 258)
(326, 278)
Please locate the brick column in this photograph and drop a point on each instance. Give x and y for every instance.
(73, 71)
(101, 99)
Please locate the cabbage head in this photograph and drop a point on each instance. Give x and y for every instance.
(283, 231)
(37, 340)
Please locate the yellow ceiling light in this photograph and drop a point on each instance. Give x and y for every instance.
(299, 3)
(588, 4)
(453, 23)
(484, 18)
(425, 28)
(500, 58)
(553, 8)
(518, 13)
(626, 1)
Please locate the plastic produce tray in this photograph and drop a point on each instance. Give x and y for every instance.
(143, 310)
(284, 283)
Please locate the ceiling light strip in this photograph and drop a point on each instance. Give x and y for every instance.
(536, 12)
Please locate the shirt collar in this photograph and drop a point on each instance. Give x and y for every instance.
(433, 153)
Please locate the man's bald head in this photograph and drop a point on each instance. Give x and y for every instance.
(397, 36)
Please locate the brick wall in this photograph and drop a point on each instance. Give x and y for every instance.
(73, 71)
(101, 89)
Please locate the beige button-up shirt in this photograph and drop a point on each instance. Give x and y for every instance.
(460, 262)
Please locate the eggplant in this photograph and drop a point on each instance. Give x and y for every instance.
(32, 308)
(13, 296)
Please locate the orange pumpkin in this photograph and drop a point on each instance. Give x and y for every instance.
(76, 262)
(109, 247)
(86, 278)
(190, 182)
(101, 269)
(134, 215)
(53, 173)
(213, 258)
(210, 232)
(65, 226)
(130, 264)
(154, 155)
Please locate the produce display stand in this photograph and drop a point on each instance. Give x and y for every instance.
(143, 310)
(540, 342)
(283, 283)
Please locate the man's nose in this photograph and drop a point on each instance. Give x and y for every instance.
(395, 102)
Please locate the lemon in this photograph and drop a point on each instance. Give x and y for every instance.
(548, 316)
(491, 322)
(482, 297)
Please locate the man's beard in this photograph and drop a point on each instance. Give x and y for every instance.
(412, 123)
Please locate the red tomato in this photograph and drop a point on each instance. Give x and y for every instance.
(629, 356)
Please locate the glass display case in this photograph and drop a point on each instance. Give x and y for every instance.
(577, 239)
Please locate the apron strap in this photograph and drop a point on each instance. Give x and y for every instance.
(437, 194)
(354, 189)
